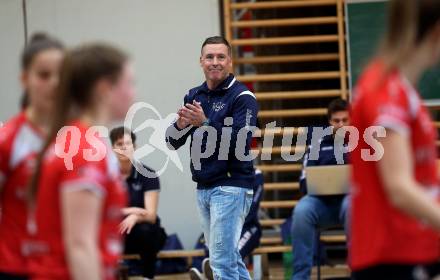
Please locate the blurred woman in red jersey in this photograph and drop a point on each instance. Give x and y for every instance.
(21, 139)
(77, 189)
(395, 213)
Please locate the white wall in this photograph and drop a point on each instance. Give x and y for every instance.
(163, 38)
(11, 43)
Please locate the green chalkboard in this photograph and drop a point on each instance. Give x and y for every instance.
(366, 24)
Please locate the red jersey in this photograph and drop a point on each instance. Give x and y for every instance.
(381, 233)
(102, 177)
(19, 143)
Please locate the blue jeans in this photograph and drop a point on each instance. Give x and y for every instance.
(222, 213)
(310, 214)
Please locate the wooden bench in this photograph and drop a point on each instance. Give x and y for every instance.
(171, 254)
(276, 240)
(190, 254)
(261, 260)
(270, 245)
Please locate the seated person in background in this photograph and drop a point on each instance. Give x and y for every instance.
(313, 212)
(250, 235)
(144, 235)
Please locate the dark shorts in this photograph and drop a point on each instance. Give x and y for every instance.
(145, 240)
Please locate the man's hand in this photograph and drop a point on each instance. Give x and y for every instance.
(182, 121)
(193, 113)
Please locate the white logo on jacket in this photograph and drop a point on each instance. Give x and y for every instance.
(218, 106)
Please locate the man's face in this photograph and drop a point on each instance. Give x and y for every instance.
(124, 148)
(215, 62)
(339, 119)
